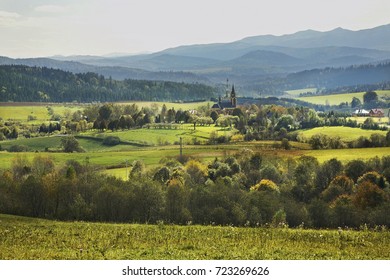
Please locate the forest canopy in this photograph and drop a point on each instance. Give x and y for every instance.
(31, 84)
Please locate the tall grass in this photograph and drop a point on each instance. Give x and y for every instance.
(27, 238)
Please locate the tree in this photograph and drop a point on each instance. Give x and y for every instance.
(138, 168)
(149, 200)
(369, 195)
(355, 168)
(355, 103)
(176, 200)
(340, 185)
(197, 172)
(214, 115)
(370, 96)
(304, 175)
(266, 185)
(70, 144)
(327, 171)
(162, 175)
(344, 212)
(105, 112)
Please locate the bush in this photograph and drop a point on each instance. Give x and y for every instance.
(111, 140)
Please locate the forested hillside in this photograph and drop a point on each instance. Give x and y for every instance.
(27, 84)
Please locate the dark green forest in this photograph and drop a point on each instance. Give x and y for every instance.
(40, 84)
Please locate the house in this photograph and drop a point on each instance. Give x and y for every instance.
(361, 113)
(379, 113)
(227, 103)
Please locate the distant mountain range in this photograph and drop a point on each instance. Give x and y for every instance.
(247, 62)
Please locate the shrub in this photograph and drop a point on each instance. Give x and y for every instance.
(266, 185)
(111, 141)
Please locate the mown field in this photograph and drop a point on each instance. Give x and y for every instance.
(37, 239)
(336, 99)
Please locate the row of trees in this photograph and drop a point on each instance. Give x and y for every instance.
(322, 141)
(244, 189)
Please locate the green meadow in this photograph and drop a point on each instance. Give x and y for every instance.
(14, 111)
(21, 111)
(336, 99)
(346, 134)
(36, 239)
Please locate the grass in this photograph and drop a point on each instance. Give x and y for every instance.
(20, 113)
(152, 156)
(346, 155)
(336, 99)
(92, 141)
(155, 136)
(346, 134)
(37, 239)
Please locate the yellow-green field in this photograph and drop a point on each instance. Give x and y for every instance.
(336, 99)
(346, 134)
(38, 239)
(17, 112)
(20, 111)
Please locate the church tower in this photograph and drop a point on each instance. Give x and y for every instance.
(233, 98)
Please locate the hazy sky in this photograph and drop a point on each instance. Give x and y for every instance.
(32, 28)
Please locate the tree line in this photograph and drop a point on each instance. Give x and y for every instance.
(243, 189)
(20, 83)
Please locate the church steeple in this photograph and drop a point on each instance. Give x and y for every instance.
(233, 99)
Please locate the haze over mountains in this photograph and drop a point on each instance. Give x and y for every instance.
(247, 62)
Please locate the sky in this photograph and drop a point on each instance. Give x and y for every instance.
(38, 28)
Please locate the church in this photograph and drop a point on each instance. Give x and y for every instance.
(228, 102)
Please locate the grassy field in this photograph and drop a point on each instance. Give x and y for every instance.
(92, 141)
(346, 134)
(37, 239)
(346, 155)
(336, 99)
(20, 111)
(152, 156)
(156, 136)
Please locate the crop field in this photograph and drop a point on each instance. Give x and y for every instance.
(37, 239)
(335, 99)
(346, 134)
